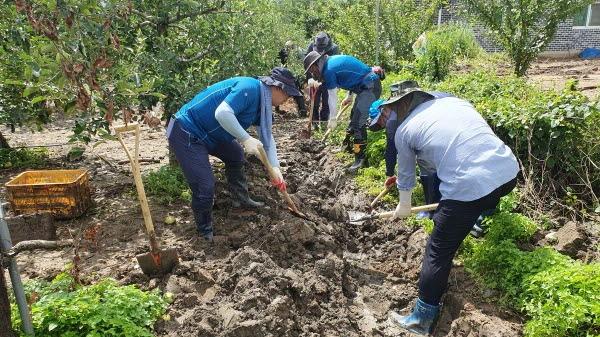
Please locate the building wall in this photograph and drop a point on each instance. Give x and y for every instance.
(567, 38)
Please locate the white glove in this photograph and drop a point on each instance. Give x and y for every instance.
(251, 145)
(404, 205)
(312, 83)
(332, 123)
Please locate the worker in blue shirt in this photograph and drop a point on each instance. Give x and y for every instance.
(445, 135)
(214, 123)
(348, 73)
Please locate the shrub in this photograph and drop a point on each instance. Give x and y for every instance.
(441, 48)
(66, 309)
(554, 134)
(167, 185)
(559, 295)
(23, 158)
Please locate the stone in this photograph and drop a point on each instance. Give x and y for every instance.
(38, 226)
(571, 239)
(551, 237)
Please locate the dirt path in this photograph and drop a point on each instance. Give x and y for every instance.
(268, 273)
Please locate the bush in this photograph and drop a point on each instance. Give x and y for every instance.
(167, 185)
(66, 309)
(441, 48)
(559, 295)
(23, 158)
(554, 134)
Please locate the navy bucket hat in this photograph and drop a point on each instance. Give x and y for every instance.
(283, 78)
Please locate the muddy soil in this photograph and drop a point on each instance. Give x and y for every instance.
(268, 272)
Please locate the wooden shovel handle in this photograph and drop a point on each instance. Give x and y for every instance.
(387, 215)
(385, 191)
(137, 177)
(265, 160)
(311, 93)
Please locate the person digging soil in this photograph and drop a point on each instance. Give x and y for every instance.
(209, 125)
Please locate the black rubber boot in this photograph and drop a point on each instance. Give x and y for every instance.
(347, 142)
(301, 106)
(238, 187)
(204, 223)
(360, 159)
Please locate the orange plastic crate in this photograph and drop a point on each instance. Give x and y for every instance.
(64, 193)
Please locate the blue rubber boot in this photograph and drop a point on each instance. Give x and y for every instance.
(204, 224)
(421, 320)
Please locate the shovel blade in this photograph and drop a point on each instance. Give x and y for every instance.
(358, 217)
(159, 263)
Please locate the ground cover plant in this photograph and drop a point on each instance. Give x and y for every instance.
(167, 185)
(64, 308)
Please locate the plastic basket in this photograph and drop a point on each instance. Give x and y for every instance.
(64, 193)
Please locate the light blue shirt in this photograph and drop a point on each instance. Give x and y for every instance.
(449, 136)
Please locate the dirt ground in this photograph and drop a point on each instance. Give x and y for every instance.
(268, 273)
(551, 73)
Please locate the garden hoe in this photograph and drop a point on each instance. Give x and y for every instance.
(360, 217)
(306, 133)
(158, 261)
(291, 206)
(337, 117)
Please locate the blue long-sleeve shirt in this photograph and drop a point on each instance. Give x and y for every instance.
(448, 136)
(242, 95)
(346, 72)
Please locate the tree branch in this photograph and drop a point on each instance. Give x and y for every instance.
(196, 57)
(40, 244)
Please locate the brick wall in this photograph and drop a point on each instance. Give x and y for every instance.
(567, 38)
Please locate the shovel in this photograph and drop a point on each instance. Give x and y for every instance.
(306, 133)
(359, 217)
(286, 197)
(158, 261)
(337, 117)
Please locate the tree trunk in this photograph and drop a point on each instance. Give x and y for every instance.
(5, 325)
(3, 142)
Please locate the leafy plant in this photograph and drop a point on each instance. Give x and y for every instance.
(64, 308)
(23, 157)
(167, 185)
(441, 48)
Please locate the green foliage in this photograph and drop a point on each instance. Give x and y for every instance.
(523, 27)
(439, 49)
(401, 22)
(23, 158)
(559, 295)
(64, 308)
(549, 131)
(167, 185)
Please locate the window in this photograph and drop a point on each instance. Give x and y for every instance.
(588, 17)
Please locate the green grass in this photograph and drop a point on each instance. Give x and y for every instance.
(23, 158)
(167, 185)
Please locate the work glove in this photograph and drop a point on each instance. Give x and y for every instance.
(278, 181)
(251, 145)
(332, 123)
(312, 83)
(403, 209)
(389, 182)
(347, 101)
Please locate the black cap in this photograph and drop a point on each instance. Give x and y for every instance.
(283, 78)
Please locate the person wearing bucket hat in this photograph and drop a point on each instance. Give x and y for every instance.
(348, 73)
(291, 57)
(429, 180)
(444, 134)
(323, 44)
(211, 123)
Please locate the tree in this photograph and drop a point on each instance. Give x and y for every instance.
(523, 27)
